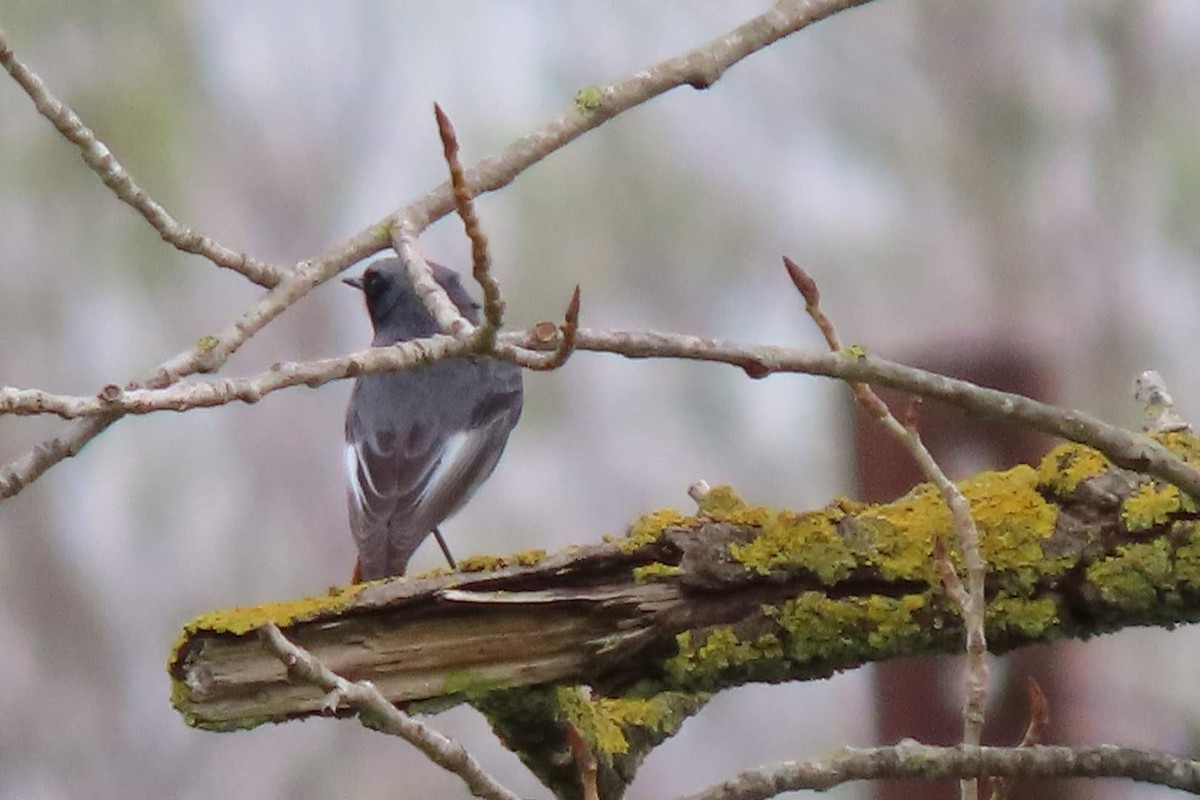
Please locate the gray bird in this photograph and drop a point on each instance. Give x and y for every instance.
(419, 442)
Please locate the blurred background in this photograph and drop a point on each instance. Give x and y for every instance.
(1007, 189)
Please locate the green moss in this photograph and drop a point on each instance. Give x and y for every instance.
(1031, 618)
(381, 232)
(817, 628)
(1068, 465)
(656, 572)
(1131, 578)
(1187, 555)
(469, 683)
(181, 702)
(706, 656)
(811, 630)
(206, 343)
(648, 528)
(588, 99)
(1153, 504)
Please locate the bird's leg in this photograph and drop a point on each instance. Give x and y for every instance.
(437, 534)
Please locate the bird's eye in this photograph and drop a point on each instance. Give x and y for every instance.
(374, 284)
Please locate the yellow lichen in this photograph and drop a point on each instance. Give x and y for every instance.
(1068, 465)
(1181, 443)
(648, 528)
(1014, 521)
(1152, 504)
(588, 99)
(723, 504)
(807, 541)
(245, 619)
(490, 563)
(480, 563)
(605, 722)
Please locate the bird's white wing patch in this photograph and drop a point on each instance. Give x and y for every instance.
(457, 451)
(353, 461)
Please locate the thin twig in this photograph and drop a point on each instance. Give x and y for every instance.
(375, 712)
(100, 159)
(1039, 715)
(698, 68)
(925, 762)
(1039, 718)
(563, 336)
(1125, 449)
(585, 760)
(972, 601)
(481, 261)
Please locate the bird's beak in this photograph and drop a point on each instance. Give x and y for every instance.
(357, 283)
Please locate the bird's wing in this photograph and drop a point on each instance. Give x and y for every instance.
(405, 479)
(470, 455)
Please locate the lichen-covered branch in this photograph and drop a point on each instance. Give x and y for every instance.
(733, 594)
(377, 713)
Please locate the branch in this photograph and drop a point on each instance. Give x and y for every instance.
(545, 334)
(481, 261)
(377, 713)
(114, 175)
(971, 600)
(1132, 451)
(735, 594)
(910, 759)
(595, 106)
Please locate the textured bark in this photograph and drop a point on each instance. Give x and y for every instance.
(687, 605)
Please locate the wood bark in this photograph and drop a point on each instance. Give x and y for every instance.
(686, 605)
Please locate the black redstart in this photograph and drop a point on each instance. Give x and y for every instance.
(419, 442)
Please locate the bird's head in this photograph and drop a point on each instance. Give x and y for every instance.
(396, 312)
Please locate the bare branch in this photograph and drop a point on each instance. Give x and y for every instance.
(563, 336)
(207, 355)
(910, 759)
(1129, 450)
(481, 261)
(972, 601)
(101, 160)
(697, 68)
(375, 712)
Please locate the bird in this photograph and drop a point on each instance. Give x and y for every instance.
(420, 441)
